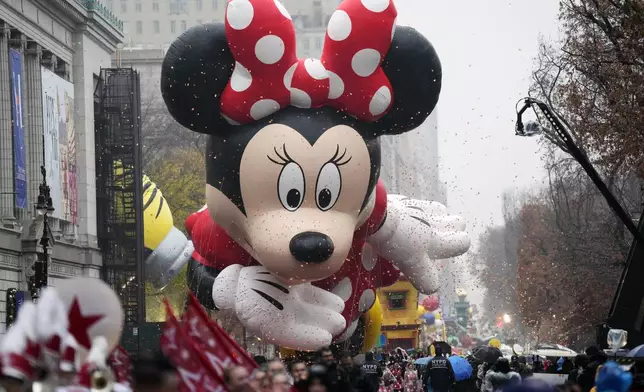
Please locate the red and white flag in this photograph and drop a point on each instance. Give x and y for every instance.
(219, 348)
(195, 371)
(119, 362)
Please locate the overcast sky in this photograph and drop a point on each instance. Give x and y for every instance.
(487, 48)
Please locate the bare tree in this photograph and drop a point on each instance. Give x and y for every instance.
(596, 78)
(160, 133)
(571, 255)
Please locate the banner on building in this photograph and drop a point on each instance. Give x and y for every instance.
(19, 153)
(60, 144)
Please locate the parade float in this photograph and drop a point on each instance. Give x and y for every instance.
(299, 232)
(401, 317)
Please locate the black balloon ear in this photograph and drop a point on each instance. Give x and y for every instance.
(414, 71)
(195, 71)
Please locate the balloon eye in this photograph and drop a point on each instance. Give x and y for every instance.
(328, 186)
(290, 186)
(293, 198)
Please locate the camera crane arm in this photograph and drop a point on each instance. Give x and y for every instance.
(626, 305)
(562, 133)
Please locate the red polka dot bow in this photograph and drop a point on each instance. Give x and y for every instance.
(268, 76)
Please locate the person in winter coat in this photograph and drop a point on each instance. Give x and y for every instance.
(481, 371)
(387, 381)
(586, 378)
(581, 361)
(500, 376)
(411, 384)
(327, 360)
(396, 371)
(372, 372)
(351, 376)
(439, 375)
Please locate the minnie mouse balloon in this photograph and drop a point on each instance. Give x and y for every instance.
(431, 303)
(297, 219)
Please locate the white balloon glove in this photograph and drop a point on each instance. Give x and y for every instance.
(302, 316)
(416, 231)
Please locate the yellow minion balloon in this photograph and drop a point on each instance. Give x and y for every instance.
(157, 217)
(167, 249)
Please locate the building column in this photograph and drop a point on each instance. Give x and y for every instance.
(7, 217)
(34, 127)
(82, 76)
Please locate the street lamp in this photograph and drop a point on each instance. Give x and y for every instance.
(507, 319)
(44, 208)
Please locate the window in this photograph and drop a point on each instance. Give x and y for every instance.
(306, 21)
(173, 26)
(184, 25)
(318, 43)
(123, 6)
(397, 300)
(307, 43)
(156, 26)
(317, 14)
(155, 7)
(178, 6)
(199, 21)
(198, 4)
(138, 7)
(110, 5)
(139, 27)
(215, 4)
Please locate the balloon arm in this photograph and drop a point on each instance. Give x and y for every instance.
(415, 232)
(167, 260)
(302, 316)
(385, 240)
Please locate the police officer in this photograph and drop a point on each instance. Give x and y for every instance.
(439, 375)
(372, 372)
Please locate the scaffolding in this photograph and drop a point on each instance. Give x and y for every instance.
(119, 188)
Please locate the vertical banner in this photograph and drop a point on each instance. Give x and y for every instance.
(60, 144)
(19, 153)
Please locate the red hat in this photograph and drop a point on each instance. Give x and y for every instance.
(19, 347)
(17, 366)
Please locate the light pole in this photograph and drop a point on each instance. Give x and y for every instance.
(44, 208)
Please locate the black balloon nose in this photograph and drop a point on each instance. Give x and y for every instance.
(311, 247)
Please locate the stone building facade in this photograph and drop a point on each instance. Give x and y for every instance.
(71, 39)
